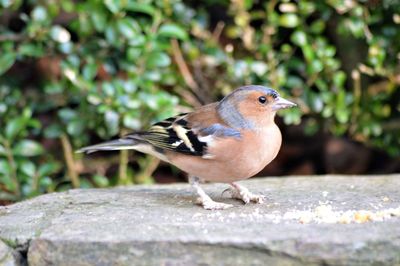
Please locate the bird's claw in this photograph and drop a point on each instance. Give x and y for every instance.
(245, 195)
(209, 204)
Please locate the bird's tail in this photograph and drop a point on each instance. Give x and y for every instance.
(113, 145)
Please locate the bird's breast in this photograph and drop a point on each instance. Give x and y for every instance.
(261, 148)
(233, 159)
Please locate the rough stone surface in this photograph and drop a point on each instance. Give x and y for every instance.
(159, 225)
(8, 257)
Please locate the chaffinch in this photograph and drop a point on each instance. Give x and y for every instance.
(225, 141)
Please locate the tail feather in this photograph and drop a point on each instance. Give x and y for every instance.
(113, 145)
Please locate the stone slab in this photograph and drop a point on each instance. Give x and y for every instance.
(159, 225)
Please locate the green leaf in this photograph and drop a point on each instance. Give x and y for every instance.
(6, 61)
(113, 5)
(327, 112)
(84, 183)
(339, 78)
(28, 148)
(94, 99)
(47, 169)
(133, 53)
(308, 52)
(132, 122)
(158, 59)
(342, 115)
(129, 86)
(128, 28)
(53, 131)
(306, 7)
(53, 88)
(5, 168)
(59, 34)
(138, 41)
(76, 127)
(112, 122)
(5, 175)
(39, 13)
(46, 182)
(299, 38)
(99, 20)
(3, 108)
(173, 31)
(66, 47)
(108, 89)
(141, 8)
(29, 49)
(315, 66)
(101, 181)
(14, 127)
(67, 114)
(89, 71)
(153, 76)
(33, 123)
(85, 25)
(28, 168)
(289, 20)
(292, 116)
(2, 150)
(112, 35)
(6, 3)
(317, 27)
(67, 5)
(259, 68)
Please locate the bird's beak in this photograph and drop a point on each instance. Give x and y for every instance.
(281, 103)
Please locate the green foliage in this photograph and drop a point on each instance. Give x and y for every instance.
(103, 68)
(21, 172)
(97, 69)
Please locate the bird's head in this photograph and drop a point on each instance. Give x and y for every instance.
(251, 106)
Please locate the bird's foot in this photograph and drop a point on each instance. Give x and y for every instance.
(208, 204)
(242, 193)
(204, 200)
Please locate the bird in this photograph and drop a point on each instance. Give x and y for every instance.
(225, 141)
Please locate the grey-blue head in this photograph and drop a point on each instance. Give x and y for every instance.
(249, 106)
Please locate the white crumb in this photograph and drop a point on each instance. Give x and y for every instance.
(232, 215)
(385, 199)
(326, 214)
(197, 215)
(322, 214)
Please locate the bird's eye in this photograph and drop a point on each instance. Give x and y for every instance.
(262, 99)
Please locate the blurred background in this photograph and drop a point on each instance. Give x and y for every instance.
(74, 73)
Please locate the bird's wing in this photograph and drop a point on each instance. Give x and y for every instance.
(180, 134)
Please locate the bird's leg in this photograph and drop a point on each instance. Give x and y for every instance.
(240, 192)
(204, 200)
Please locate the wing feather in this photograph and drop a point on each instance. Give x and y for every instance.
(177, 134)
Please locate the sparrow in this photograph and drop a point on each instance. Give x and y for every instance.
(225, 141)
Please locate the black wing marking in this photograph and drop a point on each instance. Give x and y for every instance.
(175, 134)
